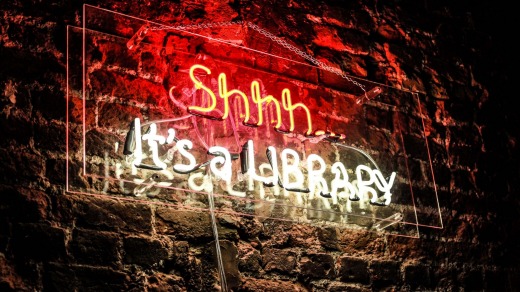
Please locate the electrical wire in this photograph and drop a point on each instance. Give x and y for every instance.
(220, 264)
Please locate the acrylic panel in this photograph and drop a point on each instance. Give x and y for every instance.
(172, 115)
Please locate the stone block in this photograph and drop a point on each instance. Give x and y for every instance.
(181, 251)
(417, 276)
(39, 242)
(249, 258)
(283, 261)
(317, 266)
(384, 273)
(380, 118)
(47, 135)
(61, 277)
(352, 269)
(229, 254)
(183, 224)
(21, 167)
(14, 127)
(9, 278)
(112, 215)
(159, 282)
(328, 238)
(146, 251)
(55, 170)
(23, 204)
(95, 247)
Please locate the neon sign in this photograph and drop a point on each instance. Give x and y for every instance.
(280, 175)
(284, 173)
(262, 102)
(266, 143)
(302, 177)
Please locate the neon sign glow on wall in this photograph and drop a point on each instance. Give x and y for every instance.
(269, 136)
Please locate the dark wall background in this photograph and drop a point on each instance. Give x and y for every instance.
(459, 52)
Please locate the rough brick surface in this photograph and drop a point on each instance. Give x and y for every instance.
(418, 276)
(39, 242)
(353, 270)
(113, 215)
(456, 55)
(96, 248)
(146, 251)
(189, 224)
(319, 266)
(257, 285)
(283, 261)
(384, 273)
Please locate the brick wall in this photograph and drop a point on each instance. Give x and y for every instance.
(457, 55)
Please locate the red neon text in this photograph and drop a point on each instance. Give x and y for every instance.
(225, 94)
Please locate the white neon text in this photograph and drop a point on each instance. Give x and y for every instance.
(293, 178)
